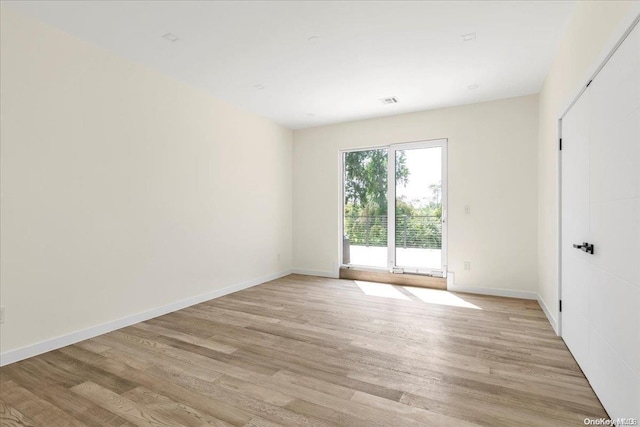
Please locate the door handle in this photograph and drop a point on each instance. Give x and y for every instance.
(585, 247)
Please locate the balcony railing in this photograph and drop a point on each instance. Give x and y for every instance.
(412, 231)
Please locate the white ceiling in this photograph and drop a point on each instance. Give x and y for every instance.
(367, 50)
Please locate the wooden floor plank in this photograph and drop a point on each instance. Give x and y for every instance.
(11, 417)
(396, 279)
(312, 351)
(37, 409)
(76, 406)
(179, 412)
(124, 407)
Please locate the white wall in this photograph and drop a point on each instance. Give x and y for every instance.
(492, 168)
(124, 190)
(593, 30)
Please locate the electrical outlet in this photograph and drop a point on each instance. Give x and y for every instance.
(3, 311)
(467, 266)
(467, 210)
(278, 256)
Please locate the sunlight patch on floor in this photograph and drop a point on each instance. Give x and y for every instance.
(436, 296)
(380, 290)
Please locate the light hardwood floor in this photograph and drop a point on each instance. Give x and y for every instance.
(307, 351)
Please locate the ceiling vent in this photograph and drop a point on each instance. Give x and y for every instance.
(390, 100)
(170, 37)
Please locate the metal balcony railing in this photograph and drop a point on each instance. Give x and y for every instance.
(412, 231)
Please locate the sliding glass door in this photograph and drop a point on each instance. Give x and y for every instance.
(394, 207)
(418, 214)
(365, 208)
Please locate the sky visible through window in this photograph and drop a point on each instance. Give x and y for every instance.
(425, 169)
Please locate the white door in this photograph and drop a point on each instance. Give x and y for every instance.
(575, 230)
(601, 206)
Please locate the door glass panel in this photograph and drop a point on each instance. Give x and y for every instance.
(365, 208)
(418, 225)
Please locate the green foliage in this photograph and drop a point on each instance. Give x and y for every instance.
(418, 223)
(366, 230)
(366, 179)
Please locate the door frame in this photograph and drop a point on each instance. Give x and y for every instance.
(391, 194)
(592, 73)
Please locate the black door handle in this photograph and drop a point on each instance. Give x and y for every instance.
(585, 247)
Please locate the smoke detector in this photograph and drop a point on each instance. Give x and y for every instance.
(389, 100)
(468, 37)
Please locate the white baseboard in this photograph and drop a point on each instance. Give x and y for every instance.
(547, 312)
(329, 274)
(509, 293)
(16, 355)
